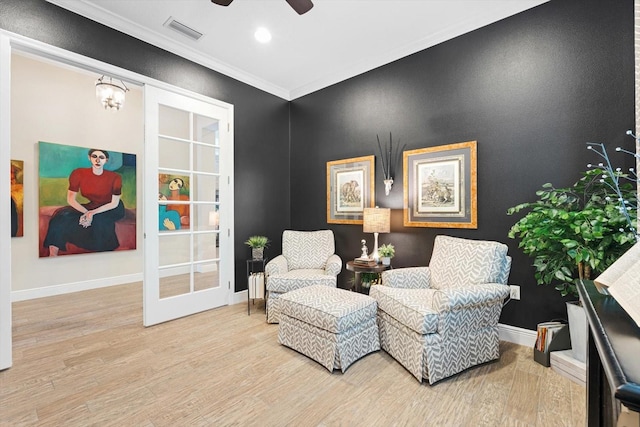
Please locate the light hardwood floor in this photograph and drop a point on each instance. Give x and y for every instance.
(85, 359)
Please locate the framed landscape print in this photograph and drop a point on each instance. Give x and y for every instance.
(440, 186)
(350, 189)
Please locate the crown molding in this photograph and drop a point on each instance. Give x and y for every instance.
(498, 12)
(104, 17)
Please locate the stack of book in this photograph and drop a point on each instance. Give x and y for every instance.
(546, 331)
(552, 336)
(364, 262)
(256, 286)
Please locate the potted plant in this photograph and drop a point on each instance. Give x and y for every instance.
(369, 279)
(257, 245)
(386, 252)
(574, 232)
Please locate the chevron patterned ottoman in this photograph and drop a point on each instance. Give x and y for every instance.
(332, 326)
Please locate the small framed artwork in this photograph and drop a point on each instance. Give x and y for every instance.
(350, 189)
(440, 186)
(17, 198)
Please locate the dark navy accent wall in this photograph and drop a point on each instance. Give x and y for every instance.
(261, 120)
(531, 89)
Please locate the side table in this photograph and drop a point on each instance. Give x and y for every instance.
(357, 269)
(254, 266)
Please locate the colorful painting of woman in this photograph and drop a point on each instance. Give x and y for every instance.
(90, 225)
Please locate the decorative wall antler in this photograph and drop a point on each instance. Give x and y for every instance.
(389, 162)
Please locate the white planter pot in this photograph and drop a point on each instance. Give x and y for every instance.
(578, 330)
(386, 260)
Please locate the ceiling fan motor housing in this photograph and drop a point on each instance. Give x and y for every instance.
(300, 6)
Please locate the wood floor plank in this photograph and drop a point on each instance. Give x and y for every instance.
(555, 400)
(85, 359)
(488, 406)
(578, 404)
(523, 401)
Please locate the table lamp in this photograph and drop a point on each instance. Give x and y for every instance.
(214, 219)
(376, 220)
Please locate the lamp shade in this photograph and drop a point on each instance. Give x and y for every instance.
(214, 219)
(377, 220)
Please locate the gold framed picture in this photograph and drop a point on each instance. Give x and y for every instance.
(440, 186)
(350, 189)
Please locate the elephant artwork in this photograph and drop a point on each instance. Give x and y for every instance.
(350, 188)
(350, 192)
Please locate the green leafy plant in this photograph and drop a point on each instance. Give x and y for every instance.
(573, 232)
(256, 242)
(387, 251)
(368, 279)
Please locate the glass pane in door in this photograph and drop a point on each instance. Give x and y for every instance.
(206, 217)
(173, 154)
(174, 122)
(206, 276)
(205, 129)
(206, 158)
(174, 249)
(206, 188)
(174, 285)
(205, 246)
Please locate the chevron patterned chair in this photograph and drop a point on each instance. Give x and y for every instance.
(308, 258)
(442, 319)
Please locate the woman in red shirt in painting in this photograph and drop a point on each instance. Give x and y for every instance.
(90, 225)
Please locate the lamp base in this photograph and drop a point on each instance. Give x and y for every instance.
(374, 255)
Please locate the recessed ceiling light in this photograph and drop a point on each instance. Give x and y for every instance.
(263, 35)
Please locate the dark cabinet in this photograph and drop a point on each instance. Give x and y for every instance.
(613, 357)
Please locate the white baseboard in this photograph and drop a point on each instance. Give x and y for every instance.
(48, 291)
(239, 297)
(517, 335)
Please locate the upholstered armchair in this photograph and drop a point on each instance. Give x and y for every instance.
(308, 258)
(442, 319)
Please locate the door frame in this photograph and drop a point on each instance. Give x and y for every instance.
(5, 214)
(8, 42)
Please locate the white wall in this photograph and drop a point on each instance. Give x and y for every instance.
(55, 104)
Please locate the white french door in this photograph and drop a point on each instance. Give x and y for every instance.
(188, 205)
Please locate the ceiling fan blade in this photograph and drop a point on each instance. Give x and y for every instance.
(300, 6)
(222, 2)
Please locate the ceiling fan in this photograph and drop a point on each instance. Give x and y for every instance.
(300, 6)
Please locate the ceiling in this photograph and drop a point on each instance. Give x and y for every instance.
(334, 41)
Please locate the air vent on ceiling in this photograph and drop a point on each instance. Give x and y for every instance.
(183, 29)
